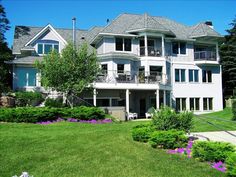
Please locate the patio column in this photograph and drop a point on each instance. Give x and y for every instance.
(157, 99)
(171, 99)
(163, 46)
(94, 97)
(27, 79)
(164, 97)
(217, 52)
(38, 80)
(127, 101)
(146, 44)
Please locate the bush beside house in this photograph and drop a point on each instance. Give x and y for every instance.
(234, 110)
(28, 98)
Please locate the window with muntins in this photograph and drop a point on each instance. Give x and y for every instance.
(179, 75)
(206, 76)
(193, 75)
(45, 46)
(179, 48)
(180, 104)
(194, 104)
(207, 104)
(120, 68)
(123, 44)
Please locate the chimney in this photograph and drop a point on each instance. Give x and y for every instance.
(74, 31)
(209, 23)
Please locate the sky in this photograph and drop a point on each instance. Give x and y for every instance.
(96, 12)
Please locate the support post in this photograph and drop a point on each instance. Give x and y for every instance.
(146, 45)
(171, 99)
(94, 97)
(127, 101)
(163, 46)
(164, 97)
(217, 52)
(157, 99)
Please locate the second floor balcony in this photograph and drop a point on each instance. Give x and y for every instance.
(151, 51)
(134, 77)
(205, 55)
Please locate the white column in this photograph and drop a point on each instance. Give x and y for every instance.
(164, 97)
(163, 46)
(127, 101)
(38, 80)
(217, 52)
(27, 79)
(157, 99)
(146, 45)
(171, 99)
(94, 97)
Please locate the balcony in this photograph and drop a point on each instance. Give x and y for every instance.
(205, 57)
(131, 77)
(151, 51)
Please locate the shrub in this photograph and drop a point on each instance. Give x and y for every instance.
(142, 132)
(33, 115)
(169, 139)
(28, 99)
(167, 119)
(54, 103)
(212, 151)
(231, 165)
(234, 109)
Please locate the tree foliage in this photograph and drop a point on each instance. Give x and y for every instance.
(228, 60)
(5, 52)
(69, 72)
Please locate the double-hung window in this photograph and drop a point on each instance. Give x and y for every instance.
(193, 75)
(123, 44)
(206, 76)
(207, 104)
(180, 104)
(179, 75)
(194, 104)
(179, 48)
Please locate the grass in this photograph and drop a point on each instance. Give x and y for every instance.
(74, 149)
(221, 121)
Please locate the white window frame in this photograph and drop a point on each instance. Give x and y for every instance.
(123, 45)
(179, 54)
(207, 81)
(208, 105)
(181, 103)
(180, 75)
(194, 103)
(53, 44)
(194, 79)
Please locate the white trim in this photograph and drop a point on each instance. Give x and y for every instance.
(42, 31)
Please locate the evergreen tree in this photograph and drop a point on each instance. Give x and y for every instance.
(228, 60)
(5, 52)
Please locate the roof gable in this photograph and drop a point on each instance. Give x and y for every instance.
(202, 29)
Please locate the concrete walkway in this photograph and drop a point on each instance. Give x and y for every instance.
(229, 136)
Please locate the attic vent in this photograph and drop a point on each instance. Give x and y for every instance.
(209, 23)
(82, 37)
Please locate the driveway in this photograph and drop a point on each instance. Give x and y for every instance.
(225, 136)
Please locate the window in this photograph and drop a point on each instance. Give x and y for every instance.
(40, 48)
(26, 76)
(45, 46)
(179, 75)
(103, 102)
(127, 44)
(120, 68)
(207, 104)
(123, 44)
(180, 104)
(104, 68)
(119, 44)
(179, 48)
(194, 104)
(193, 75)
(206, 76)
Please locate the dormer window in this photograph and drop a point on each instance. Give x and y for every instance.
(45, 46)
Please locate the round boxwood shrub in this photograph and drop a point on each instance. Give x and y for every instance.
(142, 132)
(169, 139)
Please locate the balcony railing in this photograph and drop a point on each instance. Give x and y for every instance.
(205, 55)
(112, 76)
(151, 51)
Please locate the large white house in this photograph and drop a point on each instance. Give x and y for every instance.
(146, 61)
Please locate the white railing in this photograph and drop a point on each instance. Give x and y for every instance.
(114, 76)
(205, 55)
(151, 51)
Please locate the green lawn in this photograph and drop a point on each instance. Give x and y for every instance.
(81, 150)
(221, 120)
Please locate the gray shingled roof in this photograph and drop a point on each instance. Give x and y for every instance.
(202, 29)
(25, 60)
(24, 34)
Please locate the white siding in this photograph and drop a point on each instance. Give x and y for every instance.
(109, 44)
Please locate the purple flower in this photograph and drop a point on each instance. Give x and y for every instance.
(72, 120)
(219, 166)
(180, 150)
(172, 151)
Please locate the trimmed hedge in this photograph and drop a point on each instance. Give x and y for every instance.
(169, 139)
(231, 165)
(28, 98)
(212, 151)
(167, 119)
(142, 133)
(33, 115)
